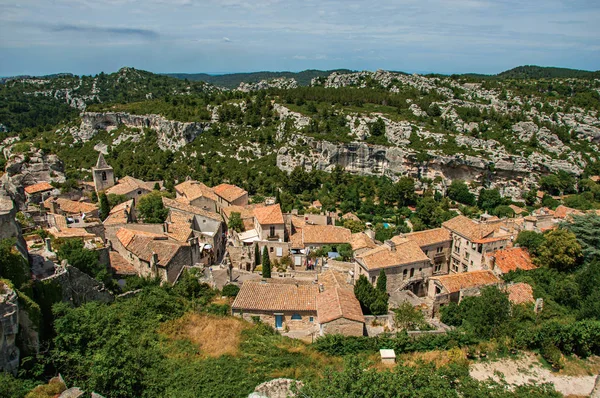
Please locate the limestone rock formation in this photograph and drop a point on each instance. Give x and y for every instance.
(277, 388)
(9, 328)
(280, 82)
(171, 134)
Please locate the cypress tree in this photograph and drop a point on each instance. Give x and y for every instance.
(266, 263)
(256, 255)
(382, 282)
(104, 206)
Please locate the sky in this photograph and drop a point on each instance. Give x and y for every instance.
(40, 37)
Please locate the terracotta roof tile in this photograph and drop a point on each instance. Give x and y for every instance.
(350, 216)
(338, 303)
(564, 211)
(429, 237)
(520, 293)
(511, 259)
(269, 215)
(325, 234)
(70, 233)
(470, 229)
(175, 204)
(39, 187)
(129, 184)
(266, 296)
(334, 279)
(456, 282)
(117, 214)
(193, 190)
(361, 240)
(517, 209)
(229, 192)
(71, 206)
(406, 252)
(125, 235)
(119, 265)
(143, 246)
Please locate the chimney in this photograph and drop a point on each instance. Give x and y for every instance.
(391, 245)
(53, 206)
(48, 244)
(321, 287)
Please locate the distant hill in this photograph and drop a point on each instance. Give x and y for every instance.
(233, 80)
(541, 72)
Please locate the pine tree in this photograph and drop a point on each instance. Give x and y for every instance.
(266, 263)
(104, 206)
(256, 255)
(382, 282)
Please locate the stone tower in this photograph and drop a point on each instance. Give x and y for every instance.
(104, 176)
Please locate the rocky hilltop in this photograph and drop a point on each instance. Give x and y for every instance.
(171, 134)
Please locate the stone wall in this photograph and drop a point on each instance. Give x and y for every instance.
(268, 317)
(343, 326)
(78, 287)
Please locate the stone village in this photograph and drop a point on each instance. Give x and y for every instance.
(309, 293)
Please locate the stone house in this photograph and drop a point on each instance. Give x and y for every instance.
(435, 243)
(132, 188)
(339, 312)
(123, 213)
(36, 193)
(361, 243)
(285, 306)
(70, 208)
(246, 214)
(186, 221)
(471, 240)
(452, 288)
(307, 238)
(268, 222)
(196, 194)
(404, 263)
(230, 195)
(154, 255)
(510, 259)
(103, 175)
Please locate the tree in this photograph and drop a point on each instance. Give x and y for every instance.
(382, 281)
(230, 290)
(372, 301)
(408, 317)
(459, 191)
(354, 226)
(489, 199)
(560, 250)
(266, 263)
(377, 128)
(530, 240)
(587, 230)
(12, 265)
(405, 191)
(104, 206)
(235, 222)
(256, 254)
(76, 255)
(151, 208)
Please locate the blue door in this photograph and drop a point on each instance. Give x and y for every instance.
(278, 321)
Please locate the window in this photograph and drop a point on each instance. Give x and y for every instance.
(270, 249)
(426, 252)
(420, 269)
(412, 272)
(404, 274)
(467, 255)
(373, 279)
(439, 249)
(311, 319)
(139, 192)
(296, 317)
(279, 252)
(465, 268)
(457, 249)
(272, 230)
(104, 176)
(438, 268)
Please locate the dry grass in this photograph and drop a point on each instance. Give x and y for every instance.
(581, 367)
(438, 357)
(215, 336)
(222, 300)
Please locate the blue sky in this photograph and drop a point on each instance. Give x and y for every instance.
(445, 36)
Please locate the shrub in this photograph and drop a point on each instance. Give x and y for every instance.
(231, 290)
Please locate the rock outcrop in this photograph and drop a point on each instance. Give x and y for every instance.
(277, 388)
(280, 82)
(171, 134)
(9, 328)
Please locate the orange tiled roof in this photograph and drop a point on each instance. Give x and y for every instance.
(511, 259)
(229, 192)
(520, 293)
(334, 279)
(119, 265)
(143, 246)
(117, 214)
(265, 296)
(269, 215)
(125, 235)
(193, 190)
(296, 241)
(179, 232)
(406, 252)
(595, 178)
(361, 240)
(429, 237)
(70, 233)
(564, 211)
(175, 204)
(325, 234)
(71, 206)
(456, 282)
(39, 187)
(129, 184)
(517, 209)
(470, 229)
(350, 216)
(338, 303)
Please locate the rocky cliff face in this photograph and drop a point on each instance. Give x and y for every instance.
(280, 82)
(171, 134)
(9, 328)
